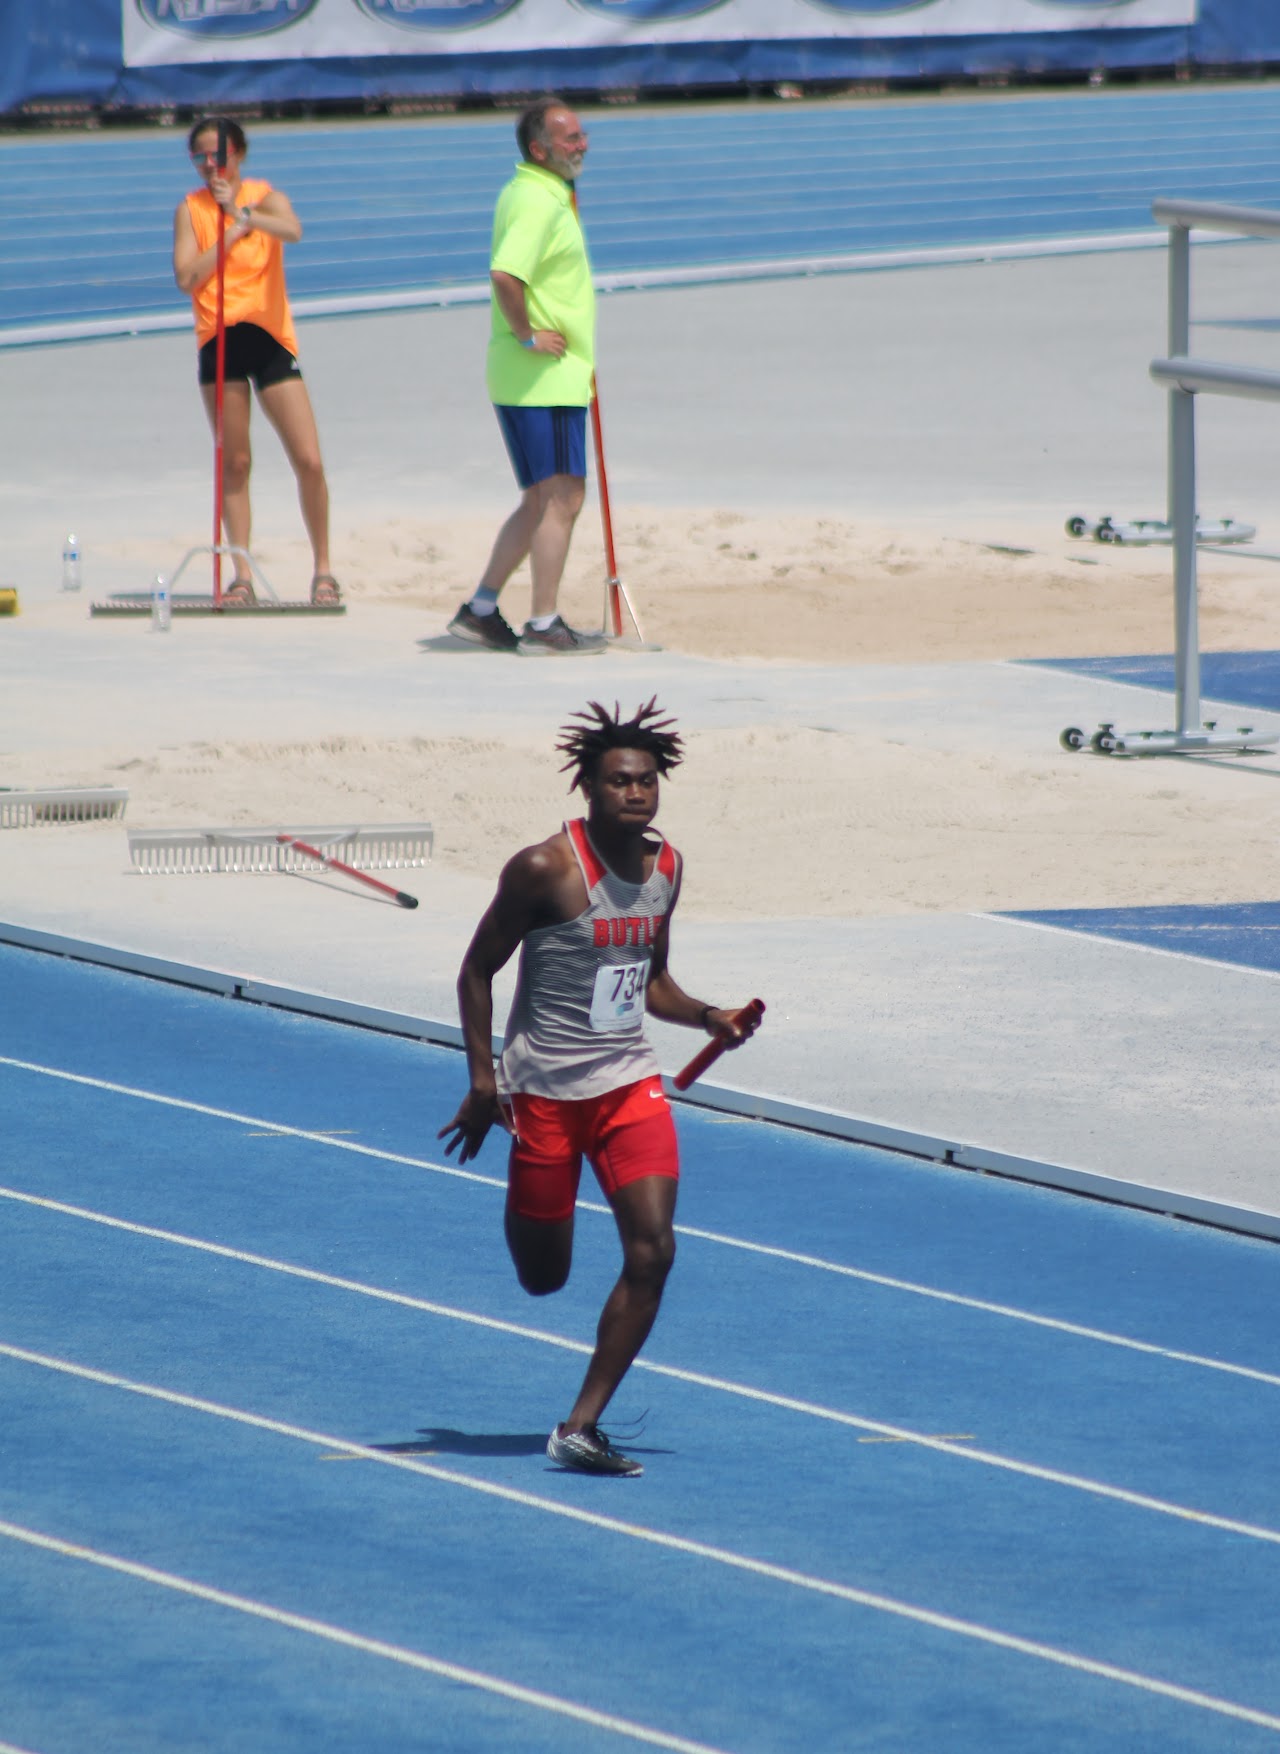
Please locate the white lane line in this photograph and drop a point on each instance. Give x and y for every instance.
(1116, 942)
(373, 1647)
(694, 1378)
(293, 1272)
(242, 1120)
(1006, 1311)
(672, 1543)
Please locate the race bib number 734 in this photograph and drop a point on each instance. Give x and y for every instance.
(617, 1001)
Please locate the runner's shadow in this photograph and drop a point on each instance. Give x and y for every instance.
(440, 1441)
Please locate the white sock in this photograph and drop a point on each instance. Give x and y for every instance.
(484, 602)
(540, 623)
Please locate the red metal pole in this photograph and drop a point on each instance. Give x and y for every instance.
(612, 582)
(613, 593)
(219, 380)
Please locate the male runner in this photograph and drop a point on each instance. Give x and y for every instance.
(590, 911)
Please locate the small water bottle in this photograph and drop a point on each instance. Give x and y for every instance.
(71, 564)
(161, 608)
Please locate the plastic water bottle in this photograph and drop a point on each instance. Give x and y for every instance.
(71, 564)
(161, 608)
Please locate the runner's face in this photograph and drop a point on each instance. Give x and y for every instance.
(624, 792)
(564, 144)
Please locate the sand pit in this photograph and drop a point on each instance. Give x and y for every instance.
(726, 584)
(777, 820)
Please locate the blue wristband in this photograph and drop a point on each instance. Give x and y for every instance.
(529, 342)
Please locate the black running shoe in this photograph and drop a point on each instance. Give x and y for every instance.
(558, 641)
(484, 630)
(589, 1452)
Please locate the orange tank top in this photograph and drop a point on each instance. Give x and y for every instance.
(253, 281)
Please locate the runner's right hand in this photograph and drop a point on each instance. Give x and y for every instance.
(469, 1128)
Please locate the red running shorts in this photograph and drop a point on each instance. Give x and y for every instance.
(624, 1135)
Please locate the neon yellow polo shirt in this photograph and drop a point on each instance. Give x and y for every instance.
(537, 238)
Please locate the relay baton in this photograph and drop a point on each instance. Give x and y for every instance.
(288, 840)
(708, 1055)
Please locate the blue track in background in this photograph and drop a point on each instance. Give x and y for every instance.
(86, 222)
(1248, 679)
(1247, 934)
(932, 1459)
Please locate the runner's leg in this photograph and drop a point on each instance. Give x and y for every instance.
(542, 1251)
(645, 1211)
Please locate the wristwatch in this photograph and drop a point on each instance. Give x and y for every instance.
(244, 215)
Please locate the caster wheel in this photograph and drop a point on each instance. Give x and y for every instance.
(1104, 743)
(1077, 526)
(1072, 738)
(1105, 532)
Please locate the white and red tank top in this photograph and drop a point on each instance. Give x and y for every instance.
(576, 1027)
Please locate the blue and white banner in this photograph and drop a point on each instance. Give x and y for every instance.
(168, 32)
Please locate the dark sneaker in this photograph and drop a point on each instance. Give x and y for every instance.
(558, 641)
(484, 630)
(589, 1452)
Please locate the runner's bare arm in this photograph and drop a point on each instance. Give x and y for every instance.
(666, 999)
(528, 890)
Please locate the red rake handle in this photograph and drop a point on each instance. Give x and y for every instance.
(606, 515)
(612, 582)
(219, 377)
(708, 1055)
(287, 840)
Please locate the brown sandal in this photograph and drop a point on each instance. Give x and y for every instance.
(240, 594)
(325, 590)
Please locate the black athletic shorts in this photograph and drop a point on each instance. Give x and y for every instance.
(252, 356)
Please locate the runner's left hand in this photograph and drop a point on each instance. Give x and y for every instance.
(739, 1025)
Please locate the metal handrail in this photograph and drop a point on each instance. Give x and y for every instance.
(1254, 222)
(1186, 378)
(1220, 380)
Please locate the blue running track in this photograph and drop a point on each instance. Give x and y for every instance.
(1244, 934)
(1248, 679)
(932, 1460)
(393, 208)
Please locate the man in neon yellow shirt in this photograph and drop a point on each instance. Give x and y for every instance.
(540, 365)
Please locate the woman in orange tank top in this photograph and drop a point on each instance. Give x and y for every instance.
(260, 342)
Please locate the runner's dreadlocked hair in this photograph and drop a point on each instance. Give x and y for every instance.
(584, 744)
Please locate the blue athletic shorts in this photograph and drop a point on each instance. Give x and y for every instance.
(543, 442)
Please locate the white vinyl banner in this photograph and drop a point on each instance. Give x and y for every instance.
(159, 32)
